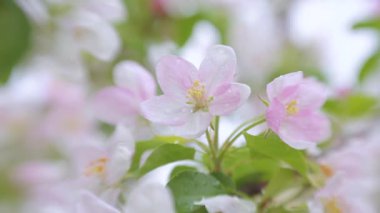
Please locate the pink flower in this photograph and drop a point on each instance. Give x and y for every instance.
(191, 97)
(120, 104)
(294, 110)
(343, 195)
(105, 164)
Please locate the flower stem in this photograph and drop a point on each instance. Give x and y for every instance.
(212, 147)
(216, 134)
(241, 126)
(238, 132)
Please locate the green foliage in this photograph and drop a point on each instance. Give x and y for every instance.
(184, 26)
(249, 173)
(146, 26)
(164, 154)
(140, 149)
(179, 169)
(14, 37)
(225, 180)
(372, 23)
(370, 66)
(352, 106)
(143, 146)
(10, 192)
(282, 180)
(189, 187)
(271, 146)
(298, 209)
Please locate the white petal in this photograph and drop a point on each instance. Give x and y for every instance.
(136, 78)
(228, 98)
(195, 126)
(227, 204)
(151, 197)
(116, 105)
(277, 86)
(122, 149)
(165, 110)
(94, 35)
(36, 10)
(175, 75)
(111, 10)
(122, 136)
(218, 67)
(118, 165)
(88, 202)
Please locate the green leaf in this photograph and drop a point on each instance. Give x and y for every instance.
(272, 146)
(372, 23)
(143, 146)
(189, 187)
(297, 209)
(179, 169)
(282, 180)
(249, 173)
(371, 65)
(140, 149)
(201, 209)
(14, 37)
(352, 106)
(225, 180)
(239, 162)
(164, 154)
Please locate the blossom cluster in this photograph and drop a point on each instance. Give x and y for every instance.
(90, 121)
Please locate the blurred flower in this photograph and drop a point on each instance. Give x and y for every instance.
(66, 29)
(120, 104)
(340, 195)
(88, 202)
(192, 98)
(352, 176)
(111, 10)
(36, 10)
(105, 164)
(294, 110)
(88, 32)
(227, 204)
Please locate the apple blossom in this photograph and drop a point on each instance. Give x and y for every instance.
(120, 104)
(191, 97)
(105, 164)
(342, 195)
(350, 184)
(86, 31)
(294, 110)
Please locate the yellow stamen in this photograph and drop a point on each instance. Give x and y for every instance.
(326, 170)
(331, 206)
(97, 167)
(291, 108)
(197, 96)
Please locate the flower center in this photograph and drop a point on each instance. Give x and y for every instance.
(96, 167)
(291, 108)
(331, 206)
(197, 97)
(326, 170)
